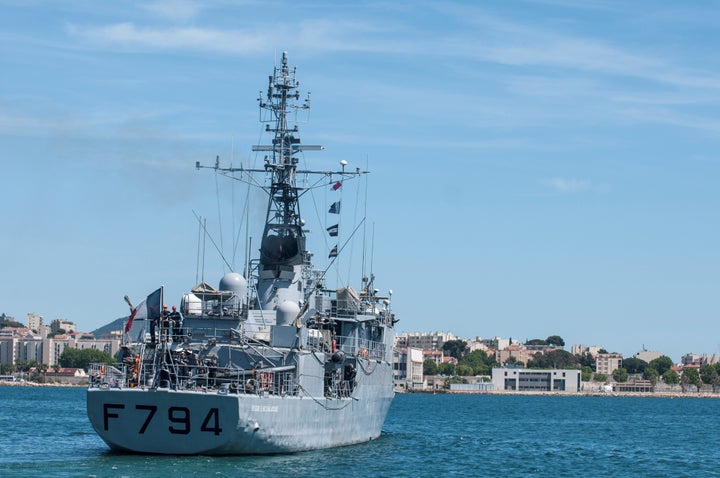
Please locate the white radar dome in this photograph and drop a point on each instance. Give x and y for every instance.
(287, 312)
(234, 282)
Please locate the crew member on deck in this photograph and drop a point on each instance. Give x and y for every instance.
(165, 323)
(176, 320)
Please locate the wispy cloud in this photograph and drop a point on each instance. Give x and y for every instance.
(176, 10)
(485, 36)
(320, 35)
(572, 186)
(128, 35)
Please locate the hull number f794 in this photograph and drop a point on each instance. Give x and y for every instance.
(179, 418)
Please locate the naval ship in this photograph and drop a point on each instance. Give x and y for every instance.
(273, 361)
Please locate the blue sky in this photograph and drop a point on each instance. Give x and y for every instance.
(538, 167)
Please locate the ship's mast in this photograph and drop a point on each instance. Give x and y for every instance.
(283, 241)
(284, 269)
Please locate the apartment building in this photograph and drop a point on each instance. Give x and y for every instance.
(606, 364)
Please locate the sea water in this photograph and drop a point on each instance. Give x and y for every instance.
(44, 431)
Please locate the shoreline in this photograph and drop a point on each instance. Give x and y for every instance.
(663, 394)
(37, 384)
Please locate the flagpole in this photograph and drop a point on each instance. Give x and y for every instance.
(126, 335)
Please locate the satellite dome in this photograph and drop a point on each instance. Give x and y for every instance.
(287, 312)
(234, 282)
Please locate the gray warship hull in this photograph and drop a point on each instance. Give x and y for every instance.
(163, 421)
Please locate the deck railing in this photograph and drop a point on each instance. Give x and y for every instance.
(193, 377)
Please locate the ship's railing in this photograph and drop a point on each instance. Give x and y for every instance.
(361, 347)
(336, 387)
(107, 375)
(185, 334)
(194, 377)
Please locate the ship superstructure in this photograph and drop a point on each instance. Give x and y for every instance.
(277, 362)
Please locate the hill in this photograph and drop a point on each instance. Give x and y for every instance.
(116, 324)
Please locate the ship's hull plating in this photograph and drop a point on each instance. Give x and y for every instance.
(165, 421)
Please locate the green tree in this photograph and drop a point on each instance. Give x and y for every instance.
(446, 368)
(651, 374)
(671, 377)
(600, 377)
(585, 373)
(620, 375)
(464, 370)
(555, 340)
(479, 361)
(453, 379)
(536, 342)
(513, 361)
(455, 348)
(709, 375)
(690, 376)
(430, 367)
(661, 364)
(555, 359)
(27, 365)
(634, 365)
(82, 358)
(586, 360)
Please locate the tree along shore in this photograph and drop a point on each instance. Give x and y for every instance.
(663, 394)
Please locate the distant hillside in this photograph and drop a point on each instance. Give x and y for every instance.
(6, 321)
(116, 324)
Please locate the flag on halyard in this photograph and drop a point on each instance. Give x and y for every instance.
(336, 186)
(335, 208)
(147, 309)
(333, 230)
(333, 252)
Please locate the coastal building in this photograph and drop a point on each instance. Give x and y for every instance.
(699, 359)
(473, 345)
(65, 326)
(472, 387)
(34, 321)
(647, 355)
(641, 386)
(19, 344)
(495, 343)
(580, 349)
(428, 341)
(520, 354)
(606, 364)
(408, 368)
(436, 356)
(7, 347)
(534, 380)
(54, 347)
(22, 344)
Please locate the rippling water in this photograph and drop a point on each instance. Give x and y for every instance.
(44, 432)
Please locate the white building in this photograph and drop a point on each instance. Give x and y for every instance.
(606, 364)
(23, 345)
(408, 368)
(34, 321)
(60, 324)
(580, 349)
(533, 380)
(495, 343)
(647, 355)
(427, 341)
